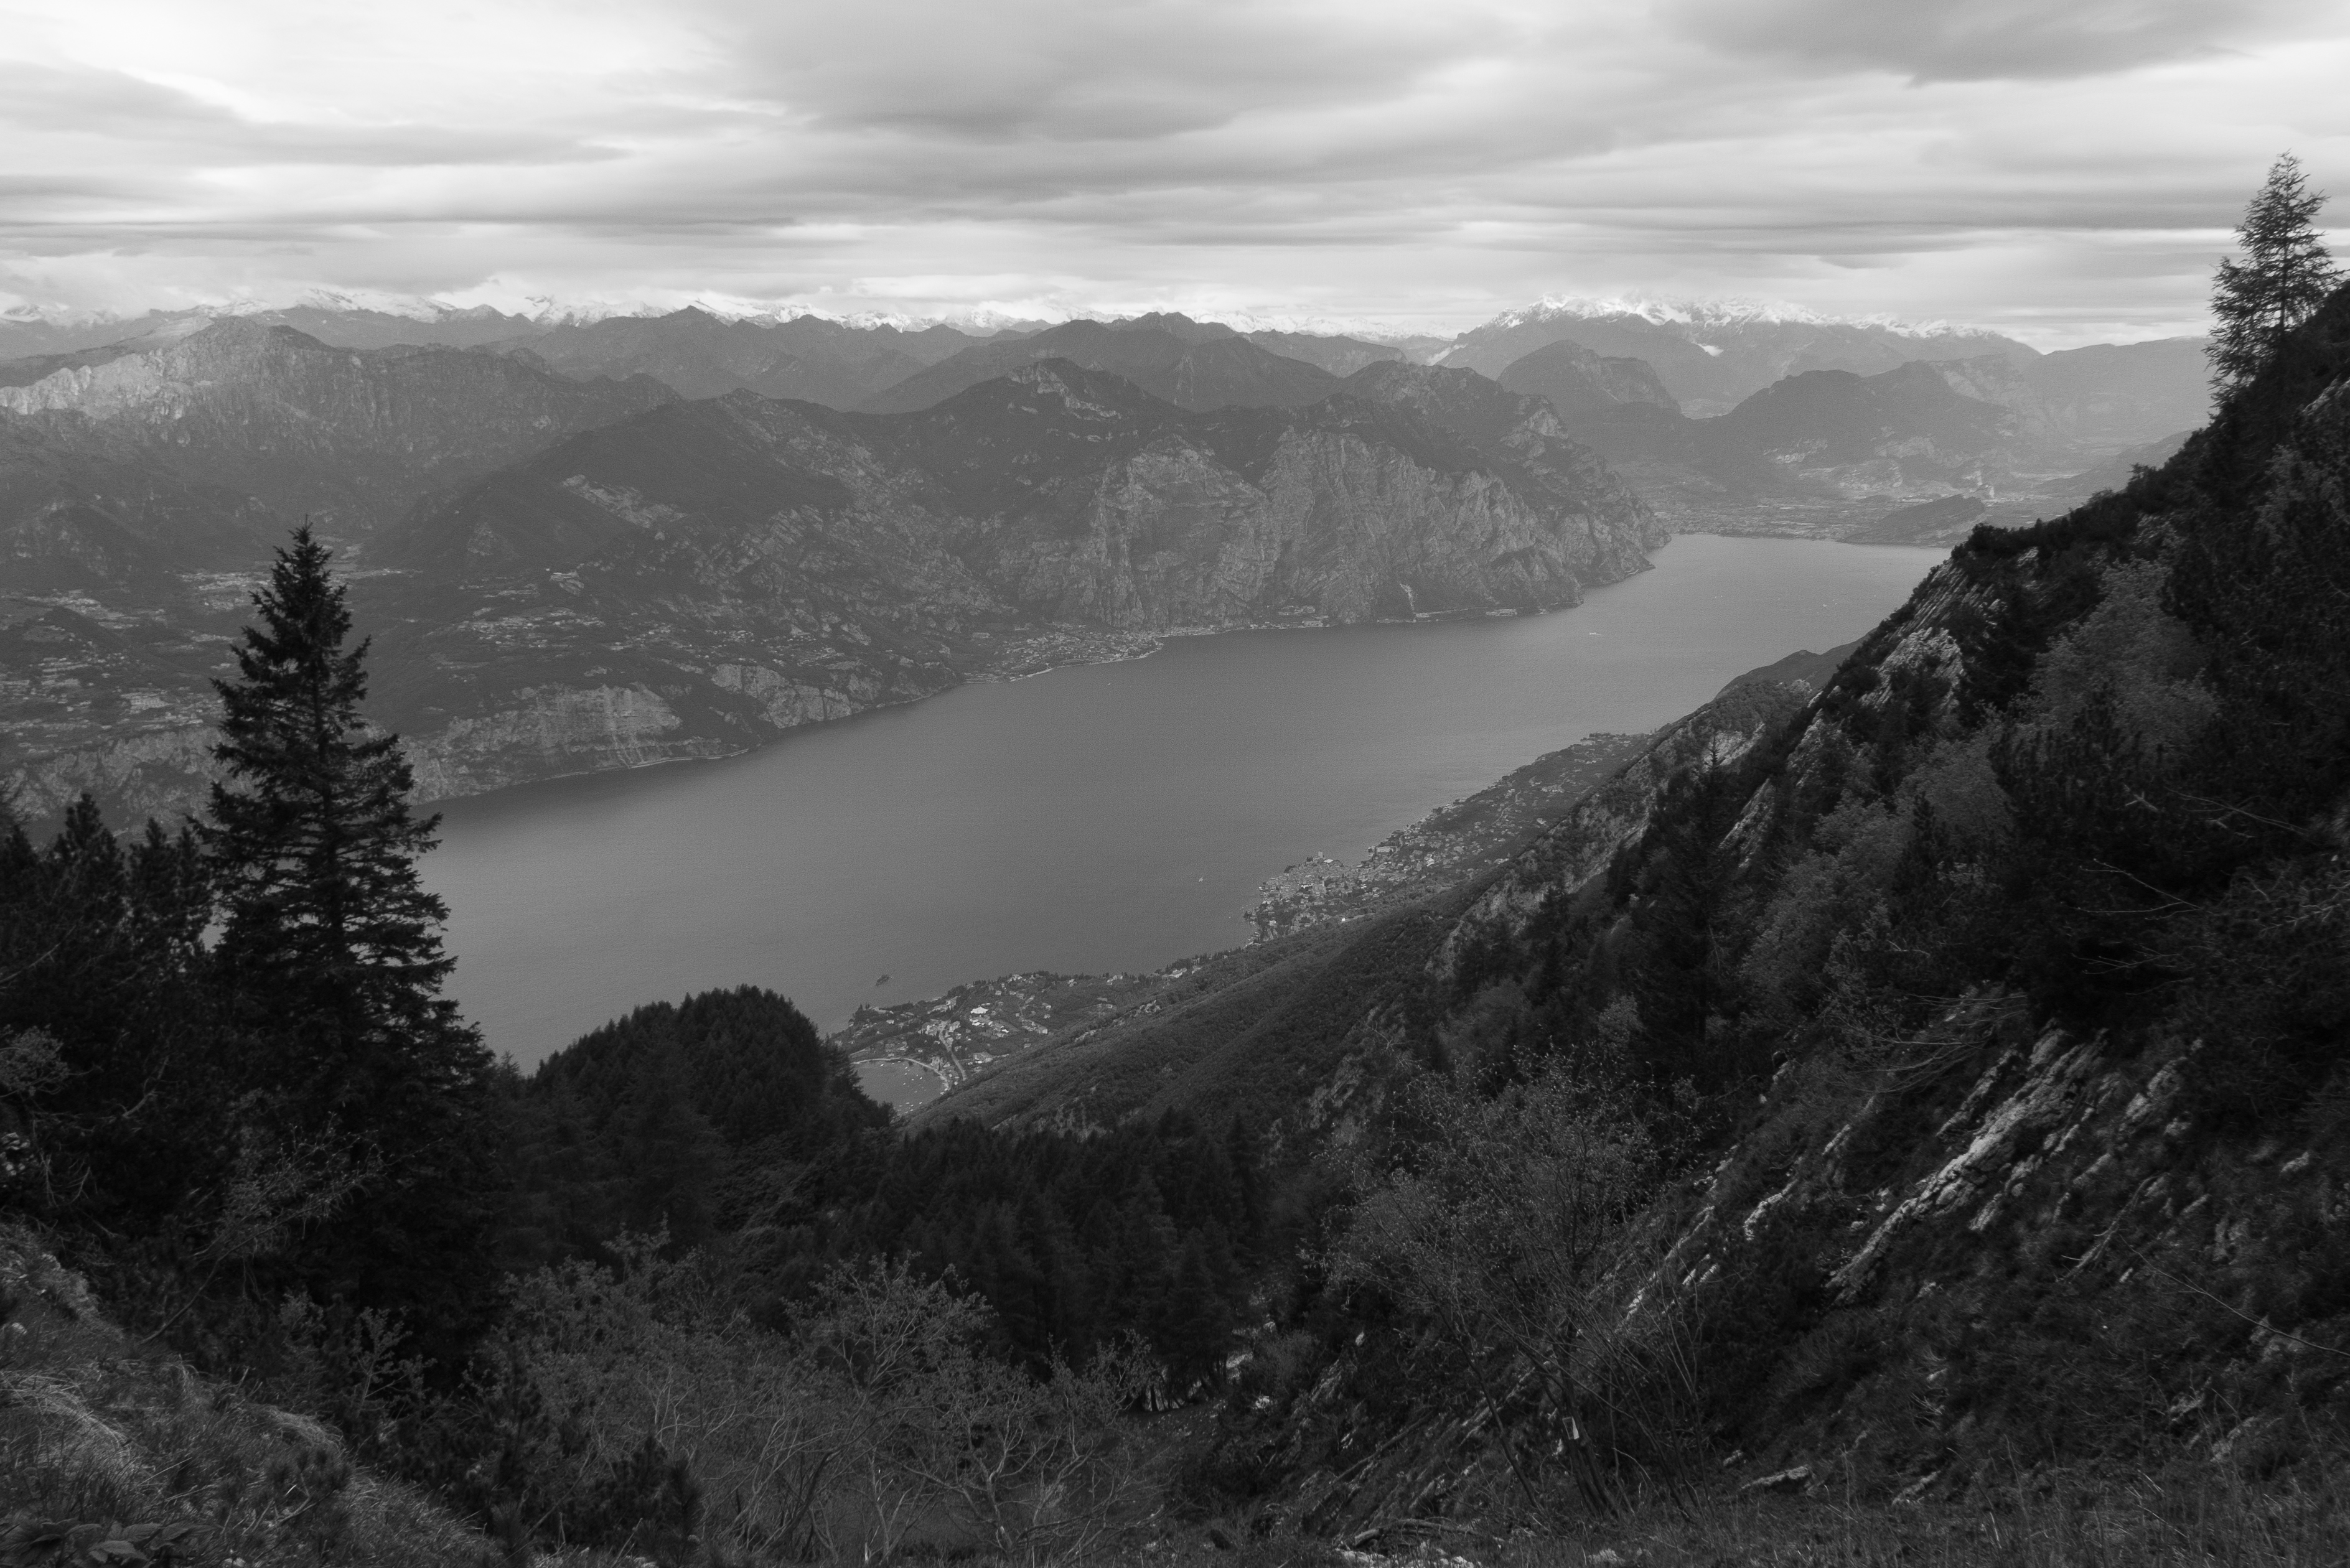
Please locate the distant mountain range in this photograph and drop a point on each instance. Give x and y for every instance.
(1828, 433)
(603, 542)
(1191, 364)
(1580, 383)
(1710, 358)
(194, 450)
(2092, 400)
(702, 575)
(702, 355)
(1707, 357)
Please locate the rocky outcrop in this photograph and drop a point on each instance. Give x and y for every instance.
(1523, 438)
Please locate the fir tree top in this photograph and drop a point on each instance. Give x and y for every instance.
(315, 847)
(2285, 275)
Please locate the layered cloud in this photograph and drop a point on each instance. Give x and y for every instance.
(2067, 171)
(1987, 40)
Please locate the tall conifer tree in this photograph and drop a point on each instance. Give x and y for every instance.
(331, 946)
(2285, 275)
(312, 834)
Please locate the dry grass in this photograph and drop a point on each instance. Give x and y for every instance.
(97, 1429)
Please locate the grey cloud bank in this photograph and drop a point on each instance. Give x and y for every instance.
(2062, 173)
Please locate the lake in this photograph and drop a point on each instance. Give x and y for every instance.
(1102, 817)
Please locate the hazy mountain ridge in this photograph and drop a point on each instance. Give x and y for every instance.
(1710, 359)
(703, 355)
(1193, 364)
(351, 436)
(1336, 353)
(1829, 452)
(1845, 441)
(2105, 396)
(2094, 399)
(1579, 382)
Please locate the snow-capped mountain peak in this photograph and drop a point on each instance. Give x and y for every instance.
(1702, 313)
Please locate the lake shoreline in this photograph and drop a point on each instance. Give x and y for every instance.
(1105, 816)
(1100, 646)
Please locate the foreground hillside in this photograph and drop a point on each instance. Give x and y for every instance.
(112, 1451)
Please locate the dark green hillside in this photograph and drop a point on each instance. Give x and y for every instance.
(723, 1123)
(691, 1119)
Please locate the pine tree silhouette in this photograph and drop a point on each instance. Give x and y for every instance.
(330, 948)
(312, 837)
(2284, 276)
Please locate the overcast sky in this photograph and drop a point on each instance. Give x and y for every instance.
(2066, 170)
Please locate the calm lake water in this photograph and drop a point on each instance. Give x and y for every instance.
(1111, 816)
